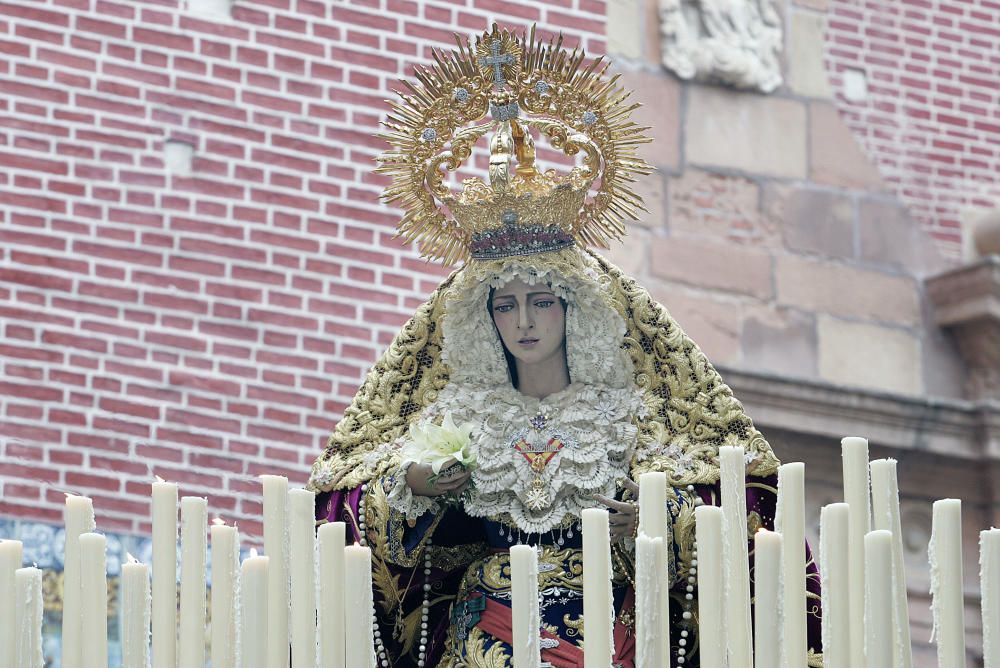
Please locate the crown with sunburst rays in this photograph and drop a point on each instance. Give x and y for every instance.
(524, 86)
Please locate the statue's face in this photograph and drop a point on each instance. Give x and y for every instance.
(531, 321)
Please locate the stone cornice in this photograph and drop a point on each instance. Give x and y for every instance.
(952, 428)
(966, 294)
(967, 302)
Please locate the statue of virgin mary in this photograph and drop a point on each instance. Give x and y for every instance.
(537, 380)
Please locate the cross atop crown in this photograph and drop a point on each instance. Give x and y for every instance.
(496, 60)
(498, 57)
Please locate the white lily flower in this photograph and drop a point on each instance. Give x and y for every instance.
(438, 444)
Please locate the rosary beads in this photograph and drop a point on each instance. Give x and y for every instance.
(380, 651)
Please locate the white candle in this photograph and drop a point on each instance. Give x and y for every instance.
(711, 620)
(989, 575)
(654, 521)
(164, 611)
(10, 561)
(649, 582)
(358, 595)
(94, 599)
(194, 521)
(134, 615)
(302, 528)
(879, 638)
(28, 618)
(790, 522)
(737, 568)
(253, 616)
(331, 599)
(947, 602)
(78, 517)
(834, 573)
(885, 515)
(225, 565)
(598, 606)
(276, 547)
(653, 504)
(855, 462)
(526, 619)
(768, 558)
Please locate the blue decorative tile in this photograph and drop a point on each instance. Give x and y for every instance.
(40, 546)
(7, 529)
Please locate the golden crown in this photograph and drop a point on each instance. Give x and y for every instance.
(525, 86)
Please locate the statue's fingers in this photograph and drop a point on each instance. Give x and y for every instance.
(619, 506)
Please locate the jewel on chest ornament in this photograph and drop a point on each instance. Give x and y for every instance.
(538, 455)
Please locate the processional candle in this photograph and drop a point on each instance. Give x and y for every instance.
(598, 612)
(737, 568)
(879, 638)
(358, 592)
(225, 566)
(276, 548)
(711, 616)
(164, 612)
(28, 618)
(855, 462)
(767, 583)
(11, 552)
(79, 519)
(834, 574)
(948, 603)
(135, 614)
(790, 522)
(653, 521)
(94, 599)
(649, 583)
(989, 575)
(525, 614)
(253, 616)
(885, 515)
(302, 529)
(194, 520)
(331, 599)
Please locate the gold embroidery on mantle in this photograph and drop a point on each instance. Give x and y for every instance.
(692, 409)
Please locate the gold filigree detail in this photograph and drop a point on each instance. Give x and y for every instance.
(376, 517)
(574, 628)
(684, 534)
(475, 654)
(525, 84)
(556, 568)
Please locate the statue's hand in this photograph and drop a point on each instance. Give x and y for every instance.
(623, 520)
(422, 481)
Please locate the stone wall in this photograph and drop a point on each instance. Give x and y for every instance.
(783, 246)
(771, 234)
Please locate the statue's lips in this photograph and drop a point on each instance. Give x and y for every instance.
(527, 342)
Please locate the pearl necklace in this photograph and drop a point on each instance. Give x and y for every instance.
(380, 651)
(692, 581)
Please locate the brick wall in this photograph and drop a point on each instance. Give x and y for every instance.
(931, 116)
(205, 326)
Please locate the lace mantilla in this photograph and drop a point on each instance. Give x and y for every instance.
(538, 461)
(594, 330)
(537, 475)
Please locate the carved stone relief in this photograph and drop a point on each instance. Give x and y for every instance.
(735, 42)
